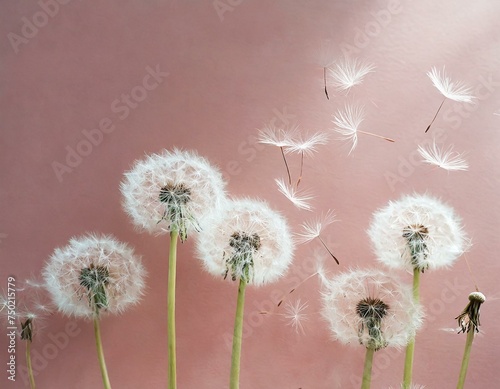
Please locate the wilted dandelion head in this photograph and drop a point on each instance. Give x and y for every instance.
(94, 274)
(171, 191)
(246, 240)
(417, 232)
(371, 308)
(469, 318)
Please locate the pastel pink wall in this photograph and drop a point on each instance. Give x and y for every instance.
(229, 73)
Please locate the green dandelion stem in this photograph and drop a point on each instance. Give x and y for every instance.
(410, 349)
(237, 337)
(100, 353)
(28, 362)
(172, 263)
(367, 371)
(466, 357)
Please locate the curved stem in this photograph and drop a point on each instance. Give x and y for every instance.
(466, 357)
(100, 353)
(28, 362)
(410, 349)
(367, 371)
(172, 263)
(286, 165)
(237, 337)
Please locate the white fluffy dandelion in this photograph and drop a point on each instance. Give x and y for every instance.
(417, 232)
(371, 308)
(246, 239)
(456, 91)
(446, 159)
(94, 274)
(297, 197)
(91, 275)
(173, 190)
(347, 122)
(348, 72)
(249, 242)
(307, 144)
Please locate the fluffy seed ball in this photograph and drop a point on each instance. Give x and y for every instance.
(171, 190)
(94, 272)
(371, 308)
(417, 232)
(246, 239)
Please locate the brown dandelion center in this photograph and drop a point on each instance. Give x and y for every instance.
(175, 194)
(416, 230)
(240, 262)
(371, 308)
(95, 279)
(416, 236)
(241, 241)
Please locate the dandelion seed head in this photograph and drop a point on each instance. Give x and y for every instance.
(301, 199)
(173, 190)
(371, 308)
(456, 91)
(246, 239)
(446, 159)
(94, 271)
(417, 231)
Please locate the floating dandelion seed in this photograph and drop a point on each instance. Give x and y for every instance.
(306, 145)
(347, 122)
(346, 73)
(456, 91)
(279, 137)
(312, 230)
(446, 159)
(295, 315)
(298, 198)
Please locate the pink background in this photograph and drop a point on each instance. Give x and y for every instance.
(231, 72)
